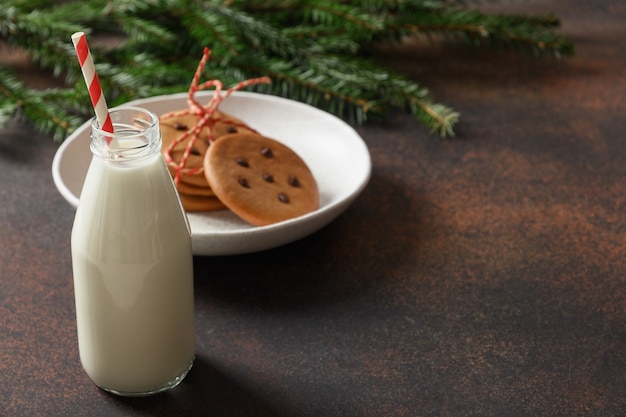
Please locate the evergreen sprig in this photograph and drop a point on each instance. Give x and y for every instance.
(315, 51)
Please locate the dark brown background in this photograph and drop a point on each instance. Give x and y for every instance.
(478, 276)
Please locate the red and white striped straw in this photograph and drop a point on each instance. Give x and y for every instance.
(93, 83)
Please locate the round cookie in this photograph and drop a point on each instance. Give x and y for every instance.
(194, 190)
(198, 203)
(173, 127)
(260, 179)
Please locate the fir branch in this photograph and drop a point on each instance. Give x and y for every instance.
(530, 33)
(11, 91)
(255, 32)
(393, 89)
(142, 30)
(328, 11)
(40, 36)
(37, 106)
(41, 107)
(316, 51)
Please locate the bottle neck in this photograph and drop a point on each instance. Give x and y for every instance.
(136, 136)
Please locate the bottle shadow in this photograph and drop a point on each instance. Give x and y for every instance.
(206, 390)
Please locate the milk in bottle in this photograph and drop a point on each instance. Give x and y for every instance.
(132, 263)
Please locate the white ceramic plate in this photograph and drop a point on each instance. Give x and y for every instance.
(334, 152)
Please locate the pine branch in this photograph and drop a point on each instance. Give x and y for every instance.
(316, 51)
(522, 33)
(328, 12)
(49, 118)
(310, 87)
(37, 106)
(11, 91)
(39, 36)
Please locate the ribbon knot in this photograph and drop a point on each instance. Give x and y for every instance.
(207, 116)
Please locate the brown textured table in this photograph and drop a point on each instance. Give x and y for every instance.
(478, 276)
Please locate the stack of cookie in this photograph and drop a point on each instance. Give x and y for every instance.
(231, 166)
(194, 190)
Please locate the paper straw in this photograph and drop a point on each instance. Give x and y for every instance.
(93, 83)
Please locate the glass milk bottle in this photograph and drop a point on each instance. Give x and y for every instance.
(132, 263)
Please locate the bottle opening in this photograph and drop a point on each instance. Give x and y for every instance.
(136, 135)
